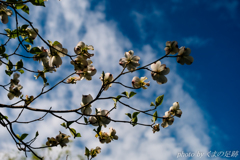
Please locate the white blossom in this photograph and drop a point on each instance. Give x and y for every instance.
(108, 78)
(130, 61)
(171, 47)
(55, 55)
(174, 110)
(87, 74)
(184, 56)
(85, 100)
(139, 82)
(4, 13)
(99, 119)
(159, 71)
(82, 49)
(167, 119)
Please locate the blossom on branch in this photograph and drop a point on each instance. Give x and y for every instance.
(14, 91)
(171, 47)
(108, 78)
(139, 82)
(85, 100)
(100, 119)
(174, 110)
(88, 72)
(159, 71)
(184, 56)
(32, 34)
(130, 61)
(167, 119)
(4, 13)
(55, 54)
(82, 49)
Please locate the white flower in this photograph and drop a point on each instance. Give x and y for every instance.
(100, 119)
(82, 49)
(73, 80)
(159, 71)
(174, 110)
(80, 63)
(31, 33)
(112, 134)
(139, 82)
(87, 74)
(46, 66)
(184, 56)
(85, 100)
(130, 61)
(4, 13)
(156, 128)
(15, 79)
(62, 139)
(171, 47)
(55, 55)
(167, 119)
(14, 91)
(108, 78)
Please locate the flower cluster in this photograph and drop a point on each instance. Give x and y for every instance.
(60, 139)
(14, 89)
(82, 65)
(107, 137)
(32, 34)
(168, 117)
(156, 128)
(101, 118)
(130, 61)
(93, 152)
(4, 13)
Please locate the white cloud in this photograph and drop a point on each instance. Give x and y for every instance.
(65, 22)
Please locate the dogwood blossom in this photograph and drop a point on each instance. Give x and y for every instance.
(108, 77)
(184, 56)
(174, 110)
(60, 139)
(130, 61)
(14, 91)
(15, 79)
(100, 119)
(112, 134)
(4, 13)
(156, 128)
(139, 82)
(82, 49)
(40, 56)
(73, 80)
(80, 63)
(55, 54)
(167, 119)
(171, 47)
(159, 71)
(85, 100)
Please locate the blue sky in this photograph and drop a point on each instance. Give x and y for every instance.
(207, 90)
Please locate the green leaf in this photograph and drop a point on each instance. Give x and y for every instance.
(4, 55)
(117, 98)
(36, 134)
(38, 2)
(9, 73)
(25, 9)
(134, 121)
(9, 66)
(18, 136)
(55, 43)
(74, 133)
(152, 104)
(69, 123)
(99, 129)
(50, 42)
(129, 115)
(155, 115)
(132, 94)
(24, 27)
(2, 49)
(87, 153)
(78, 135)
(23, 136)
(28, 46)
(29, 40)
(125, 93)
(19, 65)
(35, 50)
(64, 125)
(1, 118)
(159, 100)
(21, 71)
(135, 114)
(86, 120)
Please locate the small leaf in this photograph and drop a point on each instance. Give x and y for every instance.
(50, 42)
(132, 94)
(87, 153)
(129, 115)
(24, 27)
(55, 43)
(125, 93)
(9, 73)
(9, 66)
(29, 40)
(18, 136)
(152, 104)
(35, 50)
(38, 2)
(159, 100)
(86, 120)
(78, 135)
(2, 49)
(155, 115)
(135, 114)
(25, 9)
(64, 125)
(36, 134)
(19, 65)
(134, 121)
(74, 133)
(21, 71)
(69, 123)
(23, 136)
